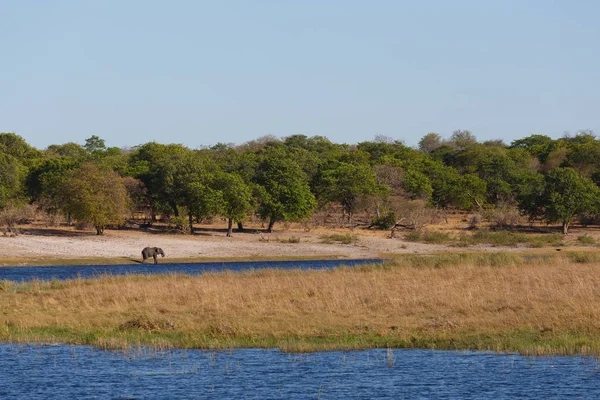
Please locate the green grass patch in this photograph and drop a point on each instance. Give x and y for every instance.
(487, 237)
(586, 240)
(526, 341)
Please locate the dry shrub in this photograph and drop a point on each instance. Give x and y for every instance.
(415, 214)
(367, 208)
(504, 217)
(51, 219)
(14, 214)
(474, 221)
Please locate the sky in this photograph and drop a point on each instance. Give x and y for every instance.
(204, 72)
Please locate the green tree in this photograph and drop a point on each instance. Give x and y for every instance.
(94, 145)
(154, 165)
(283, 191)
(190, 182)
(346, 182)
(45, 181)
(236, 196)
(417, 185)
(528, 190)
(539, 146)
(70, 150)
(567, 195)
(17, 147)
(96, 196)
(12, 177)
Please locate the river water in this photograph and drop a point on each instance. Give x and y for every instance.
(79, 372)
(21, 274)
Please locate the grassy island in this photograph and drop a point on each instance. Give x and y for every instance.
(506, 302)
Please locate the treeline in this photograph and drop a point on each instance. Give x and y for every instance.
(288, 179)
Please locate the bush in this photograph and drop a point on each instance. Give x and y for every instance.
(385, 222)
(412, 236)
(474, 221)
(180, 224)
(14, 214)
(504, 217)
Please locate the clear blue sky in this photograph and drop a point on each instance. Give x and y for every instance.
(200, 72)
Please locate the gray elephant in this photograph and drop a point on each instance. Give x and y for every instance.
(152, 252)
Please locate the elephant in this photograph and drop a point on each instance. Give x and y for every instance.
(152, 252)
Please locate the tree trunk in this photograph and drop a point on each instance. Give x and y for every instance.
(174, 207)
(99, 230)
(191, 220)
(240, 226)
(229, 227)
(565, 227)
(271, 223)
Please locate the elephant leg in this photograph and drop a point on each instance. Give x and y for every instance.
(155, 258)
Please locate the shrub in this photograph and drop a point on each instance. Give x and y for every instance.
(474, 221)
(385, 222)
(180, 224)
(412, 236)
(14, 214)
(291, 239)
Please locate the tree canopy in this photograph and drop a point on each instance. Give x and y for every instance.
(554, 180)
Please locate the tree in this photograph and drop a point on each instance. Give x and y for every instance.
(283, 190)
(430, 142)
(45, 181)
(528, 190)
(567, 195)
(417, 185)
(154, 165)
(17, 147)
(94, 145)
(12, 177)
(452, 189)
(71, 150)
(346, 182)
(463, 139)
(95, 195)
(539, 146)
(236, 198)
(190, 181)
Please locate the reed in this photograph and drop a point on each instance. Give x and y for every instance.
(548, 304)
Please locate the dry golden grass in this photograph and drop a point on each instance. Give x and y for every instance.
(498, 302)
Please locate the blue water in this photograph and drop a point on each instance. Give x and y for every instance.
(20, 274)
(78, 372)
